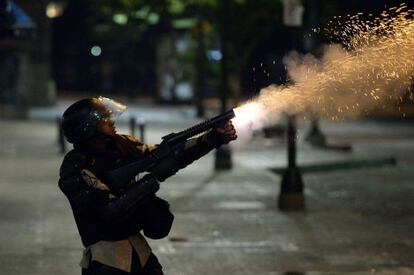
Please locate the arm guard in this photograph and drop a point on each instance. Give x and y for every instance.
(126, 205)
(196, 148)
(84, 197)
(187, 153)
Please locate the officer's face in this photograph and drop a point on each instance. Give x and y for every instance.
(107, 127)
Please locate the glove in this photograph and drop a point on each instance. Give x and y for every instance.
(150, 183)
(220, 136)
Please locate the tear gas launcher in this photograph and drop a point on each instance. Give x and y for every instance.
(161, 161)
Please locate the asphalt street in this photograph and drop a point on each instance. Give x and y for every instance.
(357, 220)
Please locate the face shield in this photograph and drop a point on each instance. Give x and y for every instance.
(109, 108)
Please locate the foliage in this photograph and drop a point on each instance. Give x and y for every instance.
(245, 24)
(248, 21)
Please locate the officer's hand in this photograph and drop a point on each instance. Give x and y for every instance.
(150, 183)
(222, 135)
(228, 131)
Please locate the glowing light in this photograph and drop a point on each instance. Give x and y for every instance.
(184, 23)
(96, 51)
(153, 18)
(54, 9)
(120, 18)
(214, 55)
(249, 117)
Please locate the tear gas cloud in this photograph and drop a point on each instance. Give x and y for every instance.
(372, 69)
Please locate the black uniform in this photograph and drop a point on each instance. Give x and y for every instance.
(112, 215)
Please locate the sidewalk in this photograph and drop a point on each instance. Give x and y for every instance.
(150, 114)
(356, 221)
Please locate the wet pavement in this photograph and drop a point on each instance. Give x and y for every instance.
(356, 221)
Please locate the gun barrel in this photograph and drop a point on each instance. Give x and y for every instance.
(201, 127)
(126, 173)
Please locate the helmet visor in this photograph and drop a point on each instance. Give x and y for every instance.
(110, 108)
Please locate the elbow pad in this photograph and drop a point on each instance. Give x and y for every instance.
(71, 185)
(194, 149)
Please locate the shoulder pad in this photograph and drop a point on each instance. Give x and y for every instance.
(129, 138)
(71, 185)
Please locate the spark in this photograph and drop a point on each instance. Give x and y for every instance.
(371, 69)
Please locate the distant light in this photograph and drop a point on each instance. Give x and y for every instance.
(214, 55)
(153, 18)
(142, 13)
(176, 7)
(96, 51)
(54, 9)
(184, 23)
(182, 45)
(120, 18)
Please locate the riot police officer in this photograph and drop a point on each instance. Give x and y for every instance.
(110, 218)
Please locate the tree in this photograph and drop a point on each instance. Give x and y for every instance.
(248, 23)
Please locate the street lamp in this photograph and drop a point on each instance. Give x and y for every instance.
(55, 9)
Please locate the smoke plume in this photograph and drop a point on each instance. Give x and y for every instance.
(372, 69)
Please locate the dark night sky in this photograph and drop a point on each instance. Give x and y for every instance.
(71, 43)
